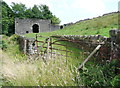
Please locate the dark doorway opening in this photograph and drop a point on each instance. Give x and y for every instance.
(27, 31)
(35, 28)
(61, 27)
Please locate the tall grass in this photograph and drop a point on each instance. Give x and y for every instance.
(38, 73)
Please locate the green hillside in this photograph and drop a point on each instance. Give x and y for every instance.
(22, 70)
(99, 25)
(96, 26)
(93, 74)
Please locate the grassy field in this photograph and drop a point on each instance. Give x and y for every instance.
(100, 25)
(96, 26)
(19, 70)
(37, 73)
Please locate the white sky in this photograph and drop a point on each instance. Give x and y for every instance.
(74, 10)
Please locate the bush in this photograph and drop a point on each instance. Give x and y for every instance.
(3, 45)
(14, 38)
(98, 75)
(116, 81)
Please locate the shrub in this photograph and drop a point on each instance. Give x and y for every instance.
(98, 75)
(14, 38)
(116, 81)
(4, 45)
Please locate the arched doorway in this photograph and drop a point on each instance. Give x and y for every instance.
(61, 27)
(35, 28)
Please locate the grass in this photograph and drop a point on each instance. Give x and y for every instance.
(11, 47)
(18, 70)
(36, 73)
(100, 25)
(76, 57)
(96, 26)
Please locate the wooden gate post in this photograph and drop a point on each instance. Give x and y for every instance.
(51, 46)
(48, 47)
(94, 51)
(66, 53)
(115, 48)
(25, 46)
(115, 44)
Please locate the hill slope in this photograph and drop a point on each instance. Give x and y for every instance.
(100, 25)
(47, 74)
(96, 26)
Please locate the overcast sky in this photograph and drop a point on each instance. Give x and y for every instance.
(74, 10)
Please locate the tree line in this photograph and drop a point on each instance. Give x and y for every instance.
(19, 10)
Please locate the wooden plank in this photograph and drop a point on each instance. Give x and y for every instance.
(94, 51)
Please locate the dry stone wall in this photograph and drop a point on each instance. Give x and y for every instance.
(110, 45)
(115, 43)
(27, 45)
(89, 43)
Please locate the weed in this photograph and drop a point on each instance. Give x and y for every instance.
(36, 73)
(98, 75)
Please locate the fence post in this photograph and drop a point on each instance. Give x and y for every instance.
(48, 47)
(36, 44)
(115, 48)
(25, 46)
(66, 53)
(51, 46)
(94, 51)
(115, 44)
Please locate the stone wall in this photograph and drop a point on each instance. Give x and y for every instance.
(89, 43)
(27, 45)
(115, 43)
(110, 45)
(54, 27)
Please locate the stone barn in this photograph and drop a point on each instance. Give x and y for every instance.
(32, 25)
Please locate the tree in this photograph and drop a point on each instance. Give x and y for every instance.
(55, 20)
(36, 12)
(7, 18)
(46, 12)
(19, 10)
(29, 13)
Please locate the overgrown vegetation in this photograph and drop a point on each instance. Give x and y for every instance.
(18, 70)
(93, 74)
(10, 45)
(38, 73)
(99, 75)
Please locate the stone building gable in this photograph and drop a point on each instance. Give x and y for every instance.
(32, 25)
